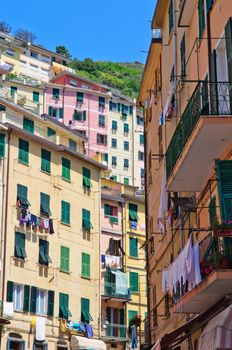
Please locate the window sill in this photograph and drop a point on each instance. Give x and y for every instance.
(66, 272)
(42, 265)
(136, 293)
(19, 259)
(86, 278)
(66, 180)
(65, 224)
(45, 172)
(23, 163)
(134, 257)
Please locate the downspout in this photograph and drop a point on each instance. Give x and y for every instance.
(175, 59)
(133, 145)
(209, 44)
(89, 125)
(99, 257)
(63, 103)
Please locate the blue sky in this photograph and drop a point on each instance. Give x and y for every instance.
(114, 30)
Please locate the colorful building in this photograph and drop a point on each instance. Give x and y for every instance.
(185, 94)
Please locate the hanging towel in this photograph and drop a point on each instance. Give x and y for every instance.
(89, 331)
(51, 228)
(8, 309)
(121, 283)
(39, 222)
(133, 225)
(134, 337)
(46, 224)
(40, 328)
(33, 220)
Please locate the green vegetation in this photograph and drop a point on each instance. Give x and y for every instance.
(125, 77)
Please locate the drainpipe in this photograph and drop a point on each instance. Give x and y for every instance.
(209, 44)
(89, 125)
(133, 143)
(63, 103)
(175, 58)
(100, 242)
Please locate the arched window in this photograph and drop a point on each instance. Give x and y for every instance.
(62, 345)
(15, 341)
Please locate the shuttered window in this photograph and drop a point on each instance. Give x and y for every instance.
(51, 299)
(201, 17)
(55, 93)
(86, 181)
(13, 90)
(79, 115)
(44, 258)
(132, 314)
(114, 143)
(23, 154)
(19, 251)
(64, 311)
(126, 181)
(86, 223)
(45, 160)
(126, 146)
(85, 267)
(28, 125)
(35, 96)
(80, 96)
(183, 58)
(22, 196)
(133, 212)
(170, 16)
(45, 204)
(101, 120)
(114, 125)
(50, 132)
(2, 145)
(134, 247)
(85, 314)
(126, 163)
(65, 212)
(228, 35)
(141, 139)
(134, 281)
(114, 162)
(66, 165)
(101, 101)
(224, 174)
(126, 128)
(64, 259)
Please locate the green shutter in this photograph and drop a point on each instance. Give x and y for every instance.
(64, 259)
(141, 139)
(85, 270)
(45, 160)
(114, 125)
(224, 173)
(126, 181)
(50, 308)
(101, 101)
(26, 298)
(66, 164)
(44, 258)
(61, 113)
(107, 210)
(111, 105)
(183, 59)
(119, 107)
(84, 116)
(28, 125)
(33, 299)
(80, 96)
(55, 93)
(228, 35)
(20, 246)
(23, 154)
(22, 195)
(65, 212)
(85, 314)
(134, 281)
(126, 127)
(2, 145)
(212, 211)
(170, 15)
(76, 115)
(131, 110)
(101, 120)
(134, 247)
(50, 111)
(86, 223)
(133, 212)
(45, 204)
(86, 181)
(64, 311)
(35, 96)
(201, 17)
(50, 132)
(132, 314)
(9, 292)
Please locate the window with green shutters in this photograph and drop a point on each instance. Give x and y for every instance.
(13, 90)
(2, 145)
(28, 125)
(212, 211)
(85, 265)
(66, 165)
(110, 210)
(64, 259)
(101, 101)
(183, 58)
(132, 314)
(19, 251)
(50, 306)
(131, 110)
(22, 196)
(170, 16)
(134, 247)
(140, 155)
(64, 311)
(126, 146)
(50, 132)
(114, 143)
(119, 107)
(80, 97)
(86, 181)
(101, 120)
(114, 163)
(72, 145)
(55, 93)
(56, 112)
(101, 139)
(126, 180)
(201, 17)
(45, 204)
(134, 281)
(33, 299)
(45, 160)
(44, 258)
(26, 298)
(23, 154)
(114, 125)
(105, 157)
(9, 291)
(65, 213)
(79, 115)
(85, 313)
(126, 128)
(35, 96)
(133, 212)
(224, 174)
(141, 139)
(126, 163)
(113, 106)
(86, 223)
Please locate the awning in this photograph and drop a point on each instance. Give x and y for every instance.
(218, 332)
(85, 343)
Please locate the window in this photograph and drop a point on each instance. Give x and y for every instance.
(79, 115)
(201, 17)
(114, 143)
(41, 302)
(124, 110)
(126, 146)
(50, 309)
(44, 204)
(45, 59)
(113, 106)
(50, 132)
(101, 139)
(19, 251)
(101, 101)
(28, 125)
(85, 266)
(212, 211)
(133, 212)
(126, 128)
(44, 258)
(105, 157)
(18, 297)
(45, 160)
(142, 173)
(134, 281)
(80, 97)
(110, 210)
(86, 181)
(82, 132)
(56, 112)
(126, 163)
(101, 120)
(139, 120)
(66, 164)
(86, 223)
(115, 248)
(34, 54)
(23, 154)
(140, 155)
(170, 15)
(35, 96)
(126, 181)
(2, 143)
(114, 125)
(85, 314)
(65, 213)
(224, 175)
(22, 196)
(33, 67)
(72, 145)
(228, 35)
(131, 110)
(113, 177)
(114, 160)
(134, 247)
(10, 52)
(64, 259)
(141, 139)
(55, 93)
(64, 311)
(183, 60)
(132, 314)
(13, 90)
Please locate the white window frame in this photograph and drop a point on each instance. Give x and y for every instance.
(41, 304)
(18, 296)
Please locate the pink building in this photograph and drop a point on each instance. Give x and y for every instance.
(83, 105)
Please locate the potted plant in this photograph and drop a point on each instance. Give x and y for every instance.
(215, 261)
(223, 229)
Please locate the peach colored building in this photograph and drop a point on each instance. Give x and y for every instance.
(186, 97)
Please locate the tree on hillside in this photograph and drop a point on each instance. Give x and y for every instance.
(5, 27)
(25, 34)
(61, 49)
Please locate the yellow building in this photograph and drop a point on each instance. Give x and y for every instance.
(50, 233)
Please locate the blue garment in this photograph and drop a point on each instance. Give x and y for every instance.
(82, 327)
(33, 220)
(89, 331)
(76, 326)
(134, 337)
(133, 225)
(103, 258)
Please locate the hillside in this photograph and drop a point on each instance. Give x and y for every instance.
(125, 77)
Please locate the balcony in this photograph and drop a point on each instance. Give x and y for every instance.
(205, 129)
(186, 9)
(113, 291)
(216, 272)
(114, 332)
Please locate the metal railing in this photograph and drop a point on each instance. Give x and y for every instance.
(208, 99)
(110, 289)
(112, 330)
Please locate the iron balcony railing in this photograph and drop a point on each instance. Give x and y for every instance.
(208, 99)
(112, 290)
(118, 331)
